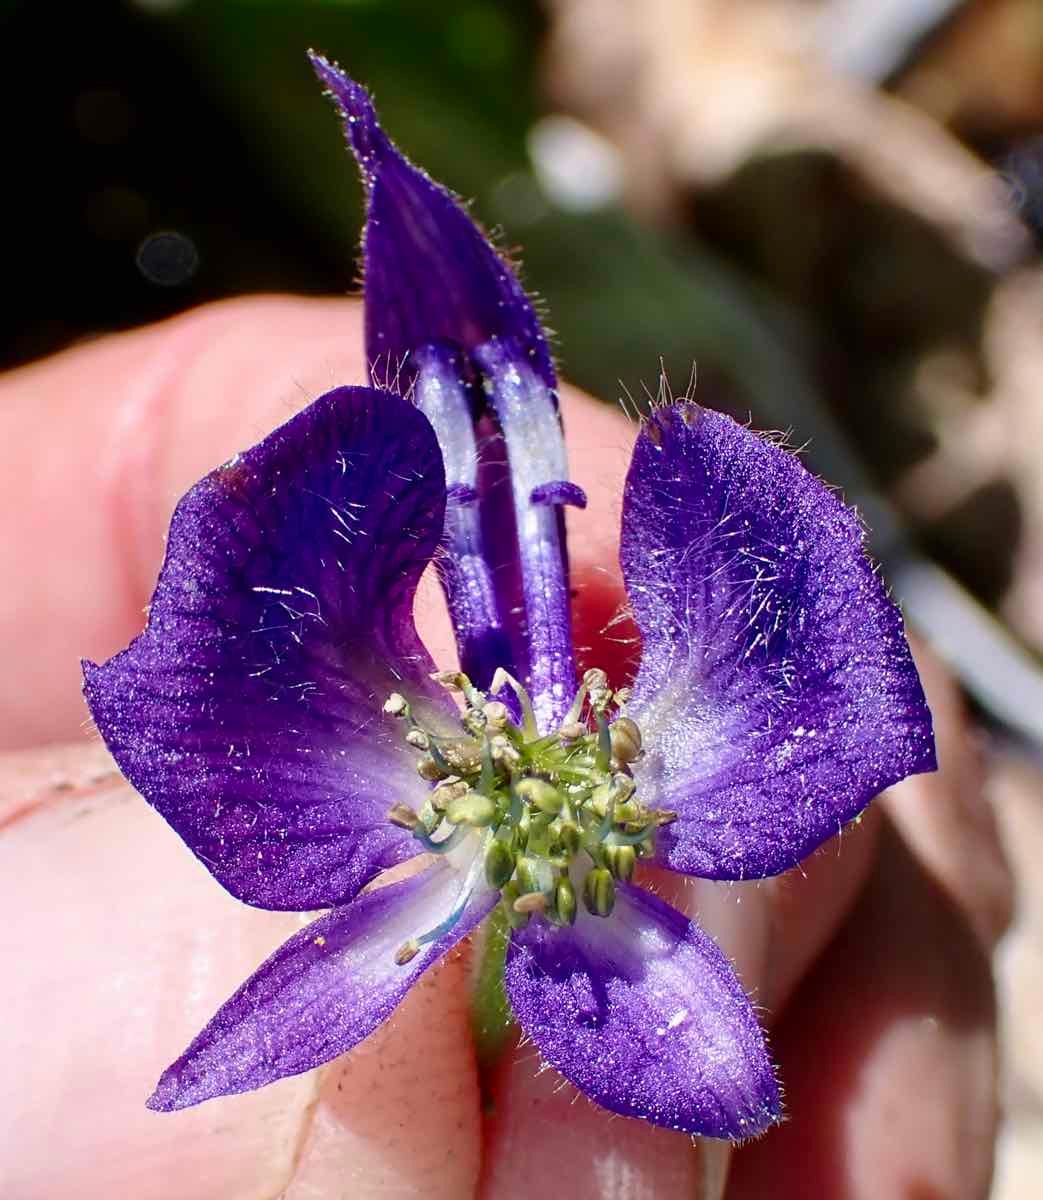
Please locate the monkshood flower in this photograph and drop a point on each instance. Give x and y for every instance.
(282, 714)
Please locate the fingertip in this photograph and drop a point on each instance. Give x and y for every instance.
(98, 443)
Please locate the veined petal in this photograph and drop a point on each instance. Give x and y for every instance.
(644, 1014)
(430, 273)
(249, 711)
(776, 693)
(325, 990)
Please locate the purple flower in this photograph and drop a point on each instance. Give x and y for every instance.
(282, 714)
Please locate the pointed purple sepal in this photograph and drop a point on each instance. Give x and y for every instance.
(431, 275)
(323, 991)
(776, 693)
(444, 309)
(249, 711)
(644, 1014)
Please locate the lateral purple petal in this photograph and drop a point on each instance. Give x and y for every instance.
(776, 692)
(644, 1014)
(323, 991)
(249, 711)
(430, 273)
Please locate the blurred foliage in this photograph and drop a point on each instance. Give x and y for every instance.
(453, 81)
(232, 142)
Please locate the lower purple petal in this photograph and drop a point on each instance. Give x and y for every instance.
(323, 991)
(776, 693)
(644, 1014)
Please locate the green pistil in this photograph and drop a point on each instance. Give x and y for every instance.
(558, 811)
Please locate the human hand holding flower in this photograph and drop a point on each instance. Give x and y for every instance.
(124, 946)
(521, 1144)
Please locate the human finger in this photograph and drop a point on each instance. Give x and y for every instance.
(888, 1048)
(125, 950)
(888, 1053)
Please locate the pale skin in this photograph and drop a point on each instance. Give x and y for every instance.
(869, 964)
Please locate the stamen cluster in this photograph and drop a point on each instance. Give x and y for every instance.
(557, 811)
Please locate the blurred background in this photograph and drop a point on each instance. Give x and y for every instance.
(833, 208)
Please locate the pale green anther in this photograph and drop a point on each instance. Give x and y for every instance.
(540, 794)
(621, 861)
(572, 731)
(629, 811)
(508, 895)
(617, 791)
(428, 769)
(626, 740)
(418, 739)
(464, 757)
(530, 903)
(472, 809)
(567, 839)
(528, 874)
(407, 952)
(504, 754)
(595, 679)
(496, 715)
(499, 863)
(565, 901)
(403, 816)
(599, 801)
(599, 892)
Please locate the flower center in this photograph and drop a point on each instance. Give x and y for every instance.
(558, 812)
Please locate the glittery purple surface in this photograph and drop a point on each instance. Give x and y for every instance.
(249, 711)
(644, 1014)
(776, 693)
(321, 992)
